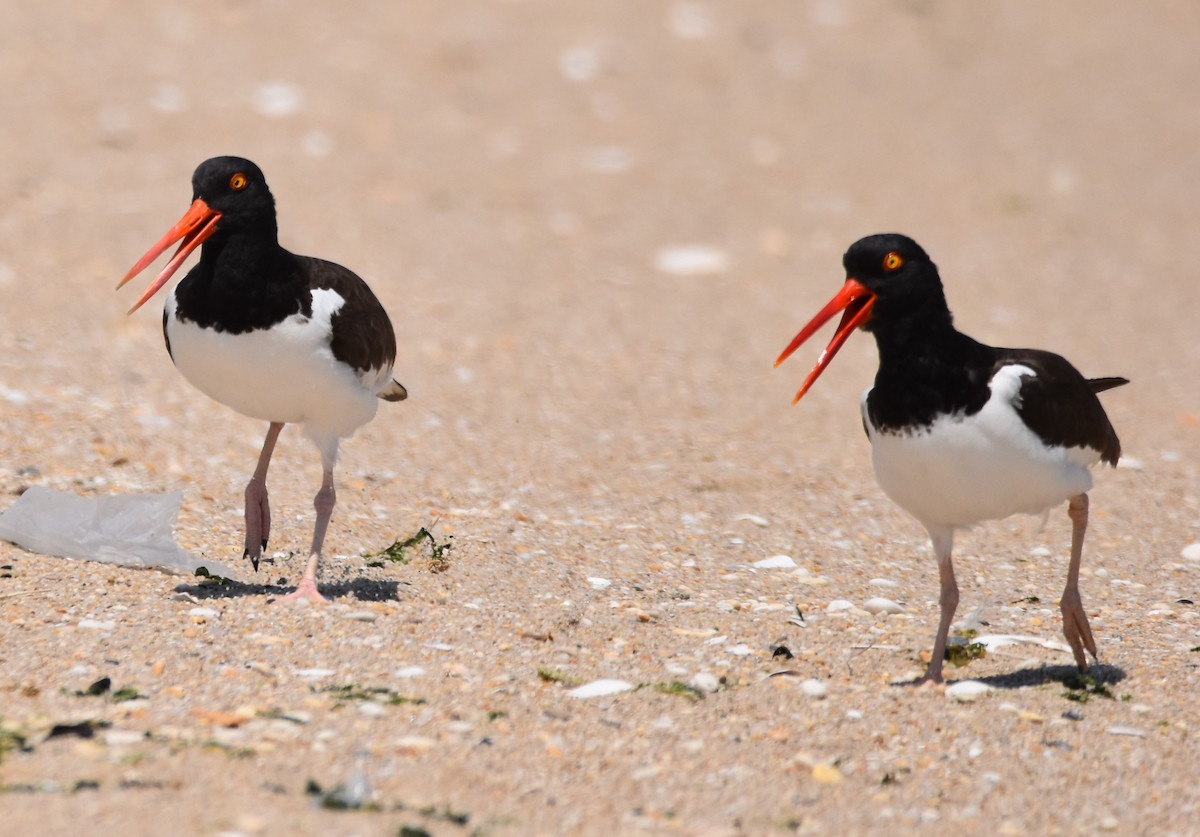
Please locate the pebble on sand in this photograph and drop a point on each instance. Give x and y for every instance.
(965, 691)
(882, 605)
(600, 688)
(692, 260)
(278, 98)
(690, 21)
(579, 63)
(757, 520)
(1123, 730)
(816, 689)
(97, 624)
(775, 562)
(826, 774)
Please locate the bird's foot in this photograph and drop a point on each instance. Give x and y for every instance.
(1077, 630)
(258, 521)
(933, 671)
(255, 556)
(930, 679)
(306, 591)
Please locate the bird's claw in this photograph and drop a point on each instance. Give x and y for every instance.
(929, 679)
(306, 591)
(258, 521)
(1077, 630)
(255, 557)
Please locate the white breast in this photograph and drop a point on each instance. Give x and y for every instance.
(286, 373)
(963, 470)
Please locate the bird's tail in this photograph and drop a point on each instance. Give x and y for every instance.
(394, 391)
(1101, 384)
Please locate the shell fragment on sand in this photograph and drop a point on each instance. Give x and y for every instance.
(775, 562)
(600, 688)
(993, 641)
(966, 691)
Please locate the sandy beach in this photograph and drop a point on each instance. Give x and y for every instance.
(595, 225)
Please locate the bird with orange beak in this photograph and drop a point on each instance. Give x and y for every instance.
(276, 336)
(962, 432)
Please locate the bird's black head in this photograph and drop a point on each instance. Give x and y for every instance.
(229, 198)
(892, 289)
(898, 272)
(868, 257)
(236, 188)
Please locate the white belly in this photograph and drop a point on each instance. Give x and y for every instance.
(286, 373)
(963, 470)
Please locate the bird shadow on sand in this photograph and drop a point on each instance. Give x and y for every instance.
(1068, 676)
(360, 589)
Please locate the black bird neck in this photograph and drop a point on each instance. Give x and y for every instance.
(927, 367)
(229, 257)
(913, 330)
(901, 325)
(244, 281)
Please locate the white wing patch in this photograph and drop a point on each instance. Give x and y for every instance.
(1006, 383)
(966, 469)
(285, 373)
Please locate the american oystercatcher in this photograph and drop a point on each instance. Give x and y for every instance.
(962, 432)
(275, 336)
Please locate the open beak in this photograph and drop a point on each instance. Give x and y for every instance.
(857, 302)
(197, 224)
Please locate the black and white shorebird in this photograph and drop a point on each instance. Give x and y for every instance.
(962, 432)
(275, 336)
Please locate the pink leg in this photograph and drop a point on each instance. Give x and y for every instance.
(258, 509)
(323, 503)
(1075, 622)
(943, 544)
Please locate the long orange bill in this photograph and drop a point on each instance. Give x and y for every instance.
(857, 301)
(196, 225)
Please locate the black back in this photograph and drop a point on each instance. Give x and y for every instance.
(245, 280)
(362, 333)
(927, 368)
(1060, 405)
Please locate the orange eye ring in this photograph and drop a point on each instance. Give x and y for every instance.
(238, 182)
(893, 261)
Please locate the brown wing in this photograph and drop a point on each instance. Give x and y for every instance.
(1060, 405)
(362, 333)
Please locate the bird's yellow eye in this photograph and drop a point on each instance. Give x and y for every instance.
(892, 261)
(238, 182)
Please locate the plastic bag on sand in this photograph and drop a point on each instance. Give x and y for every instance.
(133, 530)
